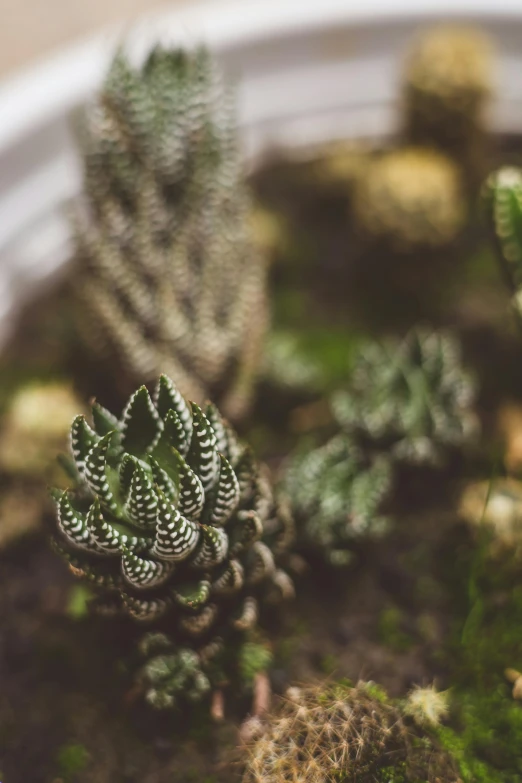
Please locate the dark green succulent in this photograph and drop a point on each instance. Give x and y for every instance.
(337, 495)
(411, 398)
(502, 194)
(171, 517)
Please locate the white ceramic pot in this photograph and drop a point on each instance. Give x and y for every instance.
(307, 71)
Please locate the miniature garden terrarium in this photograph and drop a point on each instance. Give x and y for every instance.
(260, 445)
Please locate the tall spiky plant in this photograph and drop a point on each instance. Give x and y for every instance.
(166, 269)
(172, 520)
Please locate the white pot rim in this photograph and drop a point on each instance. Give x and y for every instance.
(77, 70)
(309, 72)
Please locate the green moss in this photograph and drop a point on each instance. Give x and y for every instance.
(253, 658)
(376, 692)
(71, 760)
(391, 632)
(329, 664)
(487, 722)
(77, 604)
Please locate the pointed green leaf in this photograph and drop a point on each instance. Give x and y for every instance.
(167, 397)
(218, 425)
(141, 425)
(176, 536)
(164, 482)
(96, 472)
(212, 548)
(142, 572)
(172, 437)
(193, 595)
(103, 420)
(83, 438)
(230, 580)
(142, 501)
(246, 471)
(197, 624)
(109, 536)
(223, 498)
(259, 563)
(127, 468)
(202, 456)
(247, 529)
(146, 610)
(73, 524)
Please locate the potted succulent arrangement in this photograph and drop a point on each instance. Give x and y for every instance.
(282, 536)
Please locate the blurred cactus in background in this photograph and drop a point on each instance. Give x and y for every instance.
(411, 397)
(336, 732)
(411, 199)
(336, 497)
(171, 517)
(448, 80)
(167, 271)
(502, 195)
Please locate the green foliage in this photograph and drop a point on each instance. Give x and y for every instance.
(391, 630)
(170, 674)
(253, 658)
(167, 272)
(336, 496)
(172, 517)
(486, 721)
(71, 760)
(78, 603)
(502, 195)
(412, 398)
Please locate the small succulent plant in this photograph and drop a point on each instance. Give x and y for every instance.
(411, 397)
(171, 518)
(502, 194)
(336, 732)
(167, 271)
(412, 199)
(336, 497)
(447, 85)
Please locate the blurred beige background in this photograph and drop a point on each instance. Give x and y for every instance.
(31, 29)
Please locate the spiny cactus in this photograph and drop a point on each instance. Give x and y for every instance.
(335, 732)
(166, 269)
(336, 497)
(411, 397)
(410, 198)
(502, 195)
(447, 84)
(172, 518)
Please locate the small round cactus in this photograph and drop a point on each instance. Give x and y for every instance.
(172, 518)
(343, 733)
(447, 84)
(410, 198)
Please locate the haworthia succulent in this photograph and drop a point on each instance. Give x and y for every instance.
(168, 524)
(168, 274)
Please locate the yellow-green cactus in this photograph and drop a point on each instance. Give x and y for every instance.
(448, 80)
(410, 199)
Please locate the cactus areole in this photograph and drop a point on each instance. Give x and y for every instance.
(171, 518)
